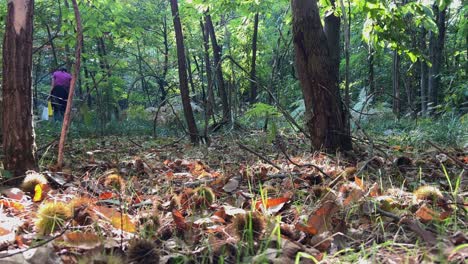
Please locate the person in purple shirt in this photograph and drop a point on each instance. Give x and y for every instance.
(59, 92)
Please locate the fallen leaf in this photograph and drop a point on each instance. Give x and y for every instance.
(426, 214)
(179, 220)
(231, 211)
(375, 191)
(359, 182)
(231, 185)
(123, 222)
(40, 190)
(86, 240)
(118, 220)
(272, 205)
(12, 204)
(106, 195)
(320, 220)
(6, 236)
(13, 193)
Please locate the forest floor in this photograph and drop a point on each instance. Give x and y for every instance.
(243, 199)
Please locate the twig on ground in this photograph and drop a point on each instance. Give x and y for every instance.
(461, 164)
(258, 155)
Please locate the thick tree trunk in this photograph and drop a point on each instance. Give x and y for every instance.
(332, 33)
(209, 78)
(253, 73)
(396, 84)
(184, 89)
(218, 69)
(436, 48)
(325, 116)
(76, 73)
(18, 132)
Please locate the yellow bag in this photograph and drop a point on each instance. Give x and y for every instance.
(49, 107)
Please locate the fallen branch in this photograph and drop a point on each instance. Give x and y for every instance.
(258, 155)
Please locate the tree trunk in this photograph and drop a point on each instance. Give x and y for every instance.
(218, 69)
(332, 33)
(144, 87)
(325, 116)
(52, 46)
(396, 84)
(18, 132)
(253, 75)
(184, 89)
(347, 36)
(76, 73)
(189, 71)
(209, 78)
(162, 80)
(436, 47)
(423, 75)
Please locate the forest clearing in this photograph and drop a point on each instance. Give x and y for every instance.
(227, 131)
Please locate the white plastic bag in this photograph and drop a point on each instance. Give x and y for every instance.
(45, 113)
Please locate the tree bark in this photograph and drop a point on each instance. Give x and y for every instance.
(436, 48)
(423, 75)
(76, 72)
(332, 33)
(325, 116)
(396, 84)
(209, 78)
(18, 131)
(253, 74)
(218, 69)
(184, 89)
(347, 37)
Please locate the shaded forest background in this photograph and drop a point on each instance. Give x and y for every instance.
(402, 63)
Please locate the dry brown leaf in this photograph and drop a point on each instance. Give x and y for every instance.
(426, 214)
(179, 220)
(82, 240)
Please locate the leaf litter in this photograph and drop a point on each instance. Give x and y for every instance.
(220, 202)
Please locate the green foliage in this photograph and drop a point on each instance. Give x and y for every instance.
(262, 110)
(448, 130)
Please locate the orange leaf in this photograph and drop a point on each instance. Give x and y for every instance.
(320, 220)
(375, 191)
(271, 202)
(426, 214)
(306, 229)
(82, 240)
(359, 182)
(179, 219)
(106, 195)
(12, 204)
(19, 241)
(353, 196)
